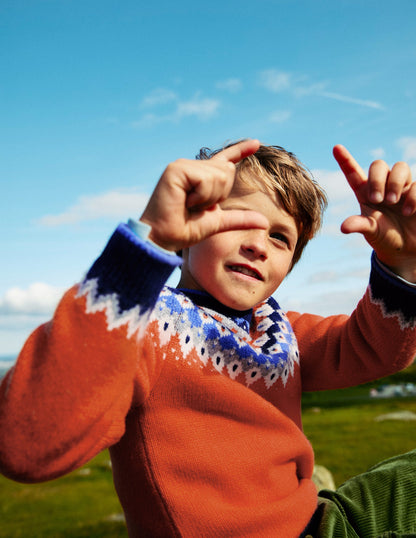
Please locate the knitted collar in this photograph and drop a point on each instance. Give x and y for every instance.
(264, 348)
(201, 298)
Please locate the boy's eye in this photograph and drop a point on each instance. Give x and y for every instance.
(280, 237)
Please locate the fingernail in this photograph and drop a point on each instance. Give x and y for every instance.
(376, 197)
(407, 211)
(391, 197)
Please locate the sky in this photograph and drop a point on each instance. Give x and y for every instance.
(98, 96)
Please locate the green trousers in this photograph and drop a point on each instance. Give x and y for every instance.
(380, 503)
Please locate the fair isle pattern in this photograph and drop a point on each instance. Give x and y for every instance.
(394, 296)
(404, 323)
(135, 319)
(269, 352)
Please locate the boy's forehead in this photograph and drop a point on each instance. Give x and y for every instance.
(243, 187)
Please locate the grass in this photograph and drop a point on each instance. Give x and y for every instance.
(81, 504)
(343, 431)
(348, 440)
(341, 426)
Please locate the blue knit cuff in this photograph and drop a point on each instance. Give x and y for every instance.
(395, 296)
(142, 230)
(133, 269)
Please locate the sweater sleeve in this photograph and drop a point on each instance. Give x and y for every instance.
(76, 377)
(378, 339)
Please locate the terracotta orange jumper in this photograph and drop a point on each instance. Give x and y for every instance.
(200, 405)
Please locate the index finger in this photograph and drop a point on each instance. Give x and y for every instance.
(237, 152)
(353, 172)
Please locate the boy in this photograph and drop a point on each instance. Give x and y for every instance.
(197, 390)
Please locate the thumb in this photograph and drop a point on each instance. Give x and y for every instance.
(359, 224)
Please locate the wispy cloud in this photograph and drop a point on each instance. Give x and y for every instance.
(37, 299)
(408, 145)
(279, 116)
(275, 81)
(200, 108)
(159, 96)
(166, 106)
(334, 183)
(336, 301)
(341, 200)
(324, 276)
(232, 85)
(378, 153)
(112, 204)
(353, 100)
(278, 81)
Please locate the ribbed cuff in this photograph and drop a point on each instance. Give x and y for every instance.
(133, 269)
(396, 295)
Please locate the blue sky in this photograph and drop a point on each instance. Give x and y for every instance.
(97, 97)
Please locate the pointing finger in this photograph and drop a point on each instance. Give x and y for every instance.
(353, 172)
(237, 152)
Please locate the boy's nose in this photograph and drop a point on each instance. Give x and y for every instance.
(255, 244)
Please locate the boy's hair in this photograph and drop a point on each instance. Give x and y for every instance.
(279, 171)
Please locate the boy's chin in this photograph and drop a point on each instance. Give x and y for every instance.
(238, 304)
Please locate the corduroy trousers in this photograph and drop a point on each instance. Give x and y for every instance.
(380, 503)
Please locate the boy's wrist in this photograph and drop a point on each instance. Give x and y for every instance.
(406, 274)
(143, 230)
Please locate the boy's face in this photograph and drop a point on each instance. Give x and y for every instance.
(241, 268)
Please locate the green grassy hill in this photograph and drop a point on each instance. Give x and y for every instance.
(356, 395)
(342, 426)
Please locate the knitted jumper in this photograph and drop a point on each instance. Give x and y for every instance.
(199, 404)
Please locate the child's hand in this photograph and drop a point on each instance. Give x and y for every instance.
(184, 207)
(387, 200)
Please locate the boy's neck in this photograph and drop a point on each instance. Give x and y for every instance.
(202, 298)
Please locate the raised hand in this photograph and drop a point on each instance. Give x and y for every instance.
(185, 205)
(387, 199)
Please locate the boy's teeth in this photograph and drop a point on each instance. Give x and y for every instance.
(244, 271)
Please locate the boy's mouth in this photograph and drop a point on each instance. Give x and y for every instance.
(245, 270)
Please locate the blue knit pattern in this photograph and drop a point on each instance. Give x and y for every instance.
(395, 298)
(127, 268)
(269, 351)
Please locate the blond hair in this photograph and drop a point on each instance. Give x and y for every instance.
(280, 172)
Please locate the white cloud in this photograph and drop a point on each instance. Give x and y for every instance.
(231, 85)
(312, 89)
(275, 81)
(341, 200)
(37, 299)
(148, 120)
(280, 116)
(201, 108)
(408, 146)
(111, 204)
(353, 100)
(278, 81)
(334, 184)
(378, 153)
(159, 96)
(326, 304)
(324, 276)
